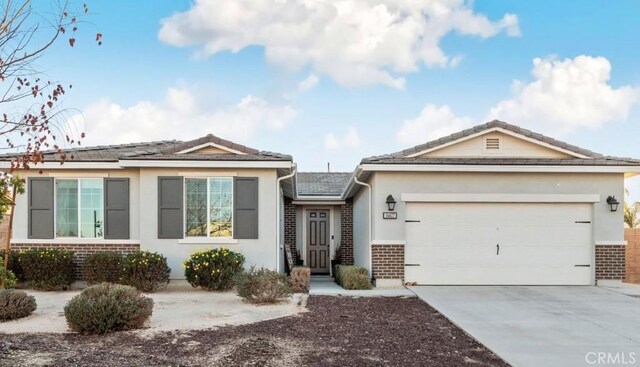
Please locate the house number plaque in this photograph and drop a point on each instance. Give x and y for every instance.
(390, 215)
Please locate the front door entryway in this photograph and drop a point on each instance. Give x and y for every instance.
(318, 243)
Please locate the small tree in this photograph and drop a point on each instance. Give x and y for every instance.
(32, 120)
(632, 214)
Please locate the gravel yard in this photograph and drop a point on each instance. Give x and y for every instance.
(336, 331)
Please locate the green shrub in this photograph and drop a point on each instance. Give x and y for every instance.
(14, 264)
(15, 304)
(7, 278)
(262, 285)
(213, 269)
(102, 267)
(146, 271)
(300, 279)
(352, 277)
(47, 269)
(107, 307)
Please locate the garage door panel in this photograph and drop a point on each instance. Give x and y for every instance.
(441, 255)
(451, 234)
(540, 243)
(506, 276)
(528, 256)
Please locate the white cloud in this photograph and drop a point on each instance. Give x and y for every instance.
(179, 116)
(356, 42)
(350, 140)
(567, 95)
(433, 122)
(308, 83)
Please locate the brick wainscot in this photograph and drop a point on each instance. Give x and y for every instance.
(81, 251)
(610, 262)
(387, 264)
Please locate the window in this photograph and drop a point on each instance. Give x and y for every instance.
(209, 207)
(79, 208)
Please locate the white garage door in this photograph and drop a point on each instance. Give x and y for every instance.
(498, 243)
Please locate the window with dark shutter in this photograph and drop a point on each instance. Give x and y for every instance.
(116, 208)
(170, 207)
(40, 191)
(245, 207)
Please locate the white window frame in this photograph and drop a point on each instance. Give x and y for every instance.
(55, 208)
(184, 205)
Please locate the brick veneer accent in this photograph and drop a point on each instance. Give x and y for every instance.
(610, 261)
(290, 227)
(81, 251)
(632, 255)
(387, 261)
(346, 234)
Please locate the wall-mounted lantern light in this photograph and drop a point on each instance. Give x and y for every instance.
(391, 202)
(613, 203)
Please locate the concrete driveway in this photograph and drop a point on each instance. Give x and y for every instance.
(545, 326)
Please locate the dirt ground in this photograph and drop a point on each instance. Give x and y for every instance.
(337, 331)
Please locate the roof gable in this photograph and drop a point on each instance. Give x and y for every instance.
(210, 144)
(497, 143)
(527, 145)
(547, 152)
(502, 127)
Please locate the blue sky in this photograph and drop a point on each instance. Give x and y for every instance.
(334, 83)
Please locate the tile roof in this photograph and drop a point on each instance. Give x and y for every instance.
(596, 159)
(605, 161)
(159, 150)
(322, 183)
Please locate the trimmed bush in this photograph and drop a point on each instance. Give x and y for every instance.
(213, 269)
(262, 285)
(15, 304)
(102, 267)
(352, 277)
(47, 269)
(14, 264)
(300, 278)
(7, 278)
(146, 271)
(107, 307)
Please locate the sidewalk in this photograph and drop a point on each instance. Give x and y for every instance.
(326, 286)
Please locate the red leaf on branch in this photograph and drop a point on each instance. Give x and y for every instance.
(72, 41)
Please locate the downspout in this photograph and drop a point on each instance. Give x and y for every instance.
(355, 179)
(278, 193)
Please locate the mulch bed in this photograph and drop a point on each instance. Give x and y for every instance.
(336, 331)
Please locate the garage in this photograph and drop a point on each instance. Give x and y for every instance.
(498, 243)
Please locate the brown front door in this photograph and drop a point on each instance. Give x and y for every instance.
(318, 243)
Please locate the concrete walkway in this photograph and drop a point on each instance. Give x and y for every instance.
(618, 286)
(326, 286)
(544, 326)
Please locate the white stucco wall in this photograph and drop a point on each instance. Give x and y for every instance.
(361, 228)
(607, 226)
(20, 220)
(260, 252)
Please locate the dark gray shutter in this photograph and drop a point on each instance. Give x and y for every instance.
(116, 208)
(170, 212)
(40, 207)
(245, 207)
